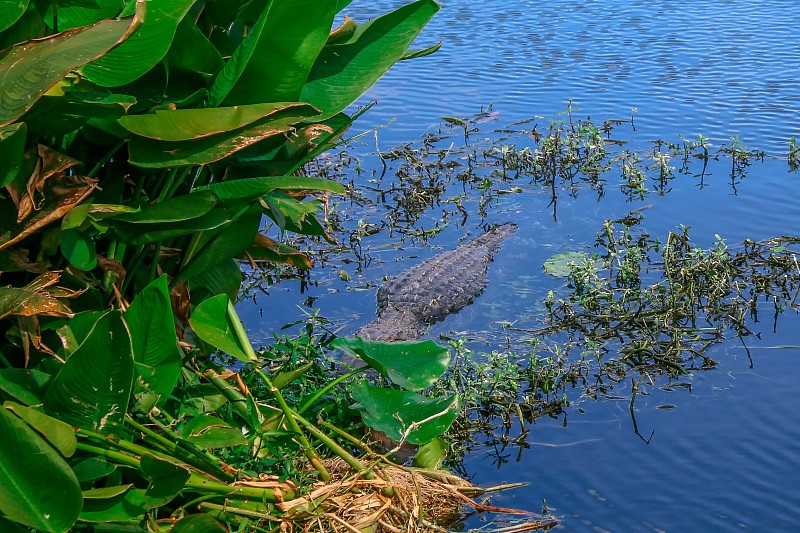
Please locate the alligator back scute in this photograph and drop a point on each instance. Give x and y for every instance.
(437, 287)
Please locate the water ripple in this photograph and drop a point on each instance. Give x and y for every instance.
(693, 67)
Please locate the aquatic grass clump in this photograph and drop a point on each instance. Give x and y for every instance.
(656, 307)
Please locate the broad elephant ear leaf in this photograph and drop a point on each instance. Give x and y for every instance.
(143, 49)
(404, 415)
(343, 72)
(37, 487)
(152, 153)
(273, 61)
(166, 479)
(414, 365)
(31, 68)
(58, 434)
(155, 344)
(216, 322)
(93, 388)
(10, 12)
(12, 150)
(188, 124)
(73, 13)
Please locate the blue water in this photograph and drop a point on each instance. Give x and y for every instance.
(725, 456)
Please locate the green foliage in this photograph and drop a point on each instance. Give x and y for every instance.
(412, 365)
(405, 415)
(37, 487)
(92, 389)
(143, 143)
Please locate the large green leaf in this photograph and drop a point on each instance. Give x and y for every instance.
(177, 209)
(30, 25)
(12, 150)
(208, 431)
(92, 389)
(191, 51)
(404, 414)
(151, 153)
(167, 480)
(247, 189)
(78, 248)
(132, 233)
(413, 365)
(216, 322)
(212, 247)
(153, 337)
(142, 50)
(223, 277)
(58, 115)
(72, 13)
(343, 72)
(92, 468)
(24, 384)
(198, 523)
(188, 124)
(129, 505)
(76, 330)
(30, 69)
(272, 63)
(37, 487)
(58, 433)
(11, 11)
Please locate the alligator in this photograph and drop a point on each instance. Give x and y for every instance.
(435, 288)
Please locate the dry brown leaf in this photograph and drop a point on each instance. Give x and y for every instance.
(70, 193)
(179, 298)
(50, 163)
(266, 249)
(112, 266)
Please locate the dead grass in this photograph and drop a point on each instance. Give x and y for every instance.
(398, 499)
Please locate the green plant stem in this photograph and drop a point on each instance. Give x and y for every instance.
(137, 192)
(120, 457)
(202, 484)
(108, 280)
(199, 499)
(154, 261)
(206, 455)
(317, 395)
(345, 435)
(237, 400)
(335, 447)
(185, 451)
(134, 449)
(173, 188)
(133, 267)
(292, 421)
(207, 506)
(165, 187)
(106, 157)
(196, 481)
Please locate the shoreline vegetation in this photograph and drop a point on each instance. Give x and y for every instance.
(143, 148)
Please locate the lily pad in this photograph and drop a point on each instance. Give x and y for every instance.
(561, 265)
